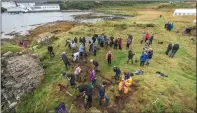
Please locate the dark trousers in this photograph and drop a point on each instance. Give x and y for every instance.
(142, 63)
(173, 53)
(141, 41)
(94, 52)
(106, 100)
(109, 61)
(117, 76)
(88, 101)
(129, 60)
(67, 66)
(81, 54)
(120, 46)
(101, 44)
(127, 46)
(150, 42)
(111, 44)
(115, 46)
(167, 52)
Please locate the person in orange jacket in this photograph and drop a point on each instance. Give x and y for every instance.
(147, 36)
(109, 57)
(126, 82)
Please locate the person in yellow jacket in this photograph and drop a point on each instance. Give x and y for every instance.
(126, 82)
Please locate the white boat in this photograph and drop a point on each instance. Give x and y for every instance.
(15, 7)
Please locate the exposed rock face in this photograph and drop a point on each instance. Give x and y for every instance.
(20, 74)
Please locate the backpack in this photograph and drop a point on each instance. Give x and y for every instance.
(61, 108)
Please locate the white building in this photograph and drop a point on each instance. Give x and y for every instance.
(48, 7)
(8, 4)
(182, 12)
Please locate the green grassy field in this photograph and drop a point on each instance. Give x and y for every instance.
(179, 87)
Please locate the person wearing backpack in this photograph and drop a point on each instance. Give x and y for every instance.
(108, 57)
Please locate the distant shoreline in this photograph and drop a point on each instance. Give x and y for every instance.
(53, 11)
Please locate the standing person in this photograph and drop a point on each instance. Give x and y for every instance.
(77, 72)
(80, 40)
(143, 37)
(94, 38)
(109, 57)
(76, 40)
(75, 57)
(149, 56)
(94, 49)
(129, 41)
(73, 46)
(87, 93)
(147, 36)
(130, 56)
(68, 42)
(151, 39)
(117, 72)
(169, 48)
(90, 46)
(84, 41)
(93, 78)
(175, 48)
(111, 41)
(143, 59)
(102, 40)
(102, 95)
(116, 44)
(81, 50)
(65, 60)
(95, 63)
(50, 50)
(120, 43)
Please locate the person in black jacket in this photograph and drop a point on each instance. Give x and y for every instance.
(87, 92)
(94, 38)
(117, 72)
(102, 95)
(175, 48)
(150, 40)
(130, 56)
(65, 60)
(70, 77)
(169, 48)
(84, 40)
(76, 40)
(50, 50)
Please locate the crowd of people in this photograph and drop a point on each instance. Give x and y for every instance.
(101, 41)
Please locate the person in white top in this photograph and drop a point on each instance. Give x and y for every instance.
(76, 57)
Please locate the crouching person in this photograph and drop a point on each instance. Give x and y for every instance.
(70, 77)
(87, 94)
(95, 63)
(102, 96)
(126, 82)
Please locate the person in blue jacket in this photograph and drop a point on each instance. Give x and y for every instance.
(143, 58)
(102, 95)
(81, 50)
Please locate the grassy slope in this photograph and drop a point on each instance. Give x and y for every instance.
(179, 88)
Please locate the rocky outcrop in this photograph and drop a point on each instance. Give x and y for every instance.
(20, 74)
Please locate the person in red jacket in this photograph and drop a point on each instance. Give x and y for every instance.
(120, 43)
(147, 36)
(108, 57)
